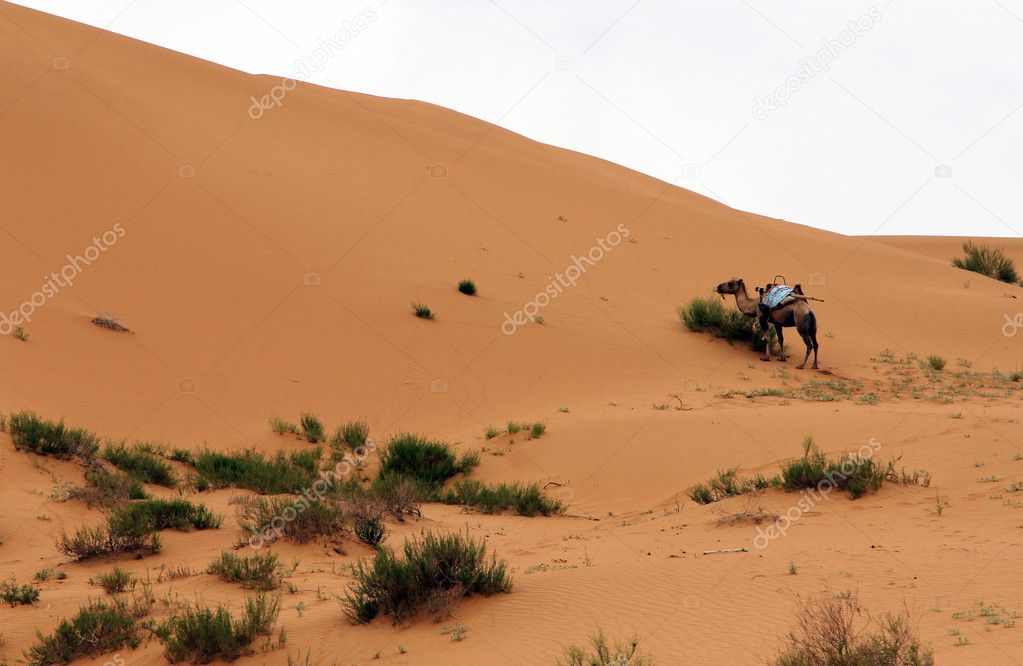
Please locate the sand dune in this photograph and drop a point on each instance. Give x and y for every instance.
(267, 266)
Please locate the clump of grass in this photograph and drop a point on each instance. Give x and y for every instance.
(140, 463)
(182, 456)
(987, 261)
(467, 287)
(491, 432)
(435, 569)
(14, 594)
(728, 483)
(250, 470)
(202, 634)
(836, 631)
(302, 521)
(936, 362)
(527, 500)
(262, 571)
(422, 311)
(368, 520)
(312, 428)
(162, 514)
(428, 462)
(98, 628)
(49, 438)
(352, 433)
(106, 489)
(19, 333)
(850, 473)
(91, 542)
(115, 581)
(601, 653)
(710, 315)
(536, 429)
(514, 427)
(281, 427)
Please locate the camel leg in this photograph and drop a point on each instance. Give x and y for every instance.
(781, 343)
(764, 326)
(806, 341)
(813, 337)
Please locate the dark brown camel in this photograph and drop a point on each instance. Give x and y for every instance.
(796, 313)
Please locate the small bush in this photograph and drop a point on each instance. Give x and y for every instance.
(399, 495)
(98, 628)
(491, 432)
(14, 594)
(249, 470)
(202, 634)
(728, 483)
(106, 489)
(182, 456)
(140, 463)
(369, 525)
(312, 428)
(525, 500)
(116, 581)
(514, 427)
(702, 314)
(353, 434)
(429, 462)
(850, 472)
(159, 514)
(936, 362)
(834, 631)
(422, 311)
(467, 287)
(435, 569)
(987, 261)
(266, 517)
(603, 654)
(259, 572)
(281, 427)
(536, 429)
(48, 438)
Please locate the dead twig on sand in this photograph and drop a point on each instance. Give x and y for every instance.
(725, 550)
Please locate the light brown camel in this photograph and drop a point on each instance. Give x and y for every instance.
(796, 313)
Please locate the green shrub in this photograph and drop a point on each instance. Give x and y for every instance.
(514, 427)
(429, 462)
(491, 432)
(154, 515)
(434, 569)
(467, 287)
(115, 581)
(987, 261)
(850, 473)
(710, 315)
(525, 500)
(728, 483)
(370, 528)
(312, 428)
(603, 654)
(202, 634)
(422, 311)
(99, 628)
(14, 594)
(281, 427)
(260, 572)
(399, 495)
(182, 456)
(249, 470)
(353, 434)
(299, 520)
(47, 438)
(140, 463)
(536, 429)
(936, 362)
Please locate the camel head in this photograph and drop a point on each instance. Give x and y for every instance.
(733, 286)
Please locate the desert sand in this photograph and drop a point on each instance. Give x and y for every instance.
(267, 266)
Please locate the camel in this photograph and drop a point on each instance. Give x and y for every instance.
(796, 313)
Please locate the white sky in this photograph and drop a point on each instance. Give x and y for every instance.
(915, 127)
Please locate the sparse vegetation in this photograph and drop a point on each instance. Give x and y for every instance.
(353, 434)
(48, 438)
(987, 261)
(850, 472)
(202, 634)
(467, 287)
(835, 631)
(270, 518)
(281, 427)
(15, 595)
(435, 570)
(140, 463)
(368, 520)
(601, 653)
(525, 500)
(262, 571)
(106, 489)
(936, 362)
(491, 432)
(250, 470)
(728, 483)
(428, 462)
(422, 311)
